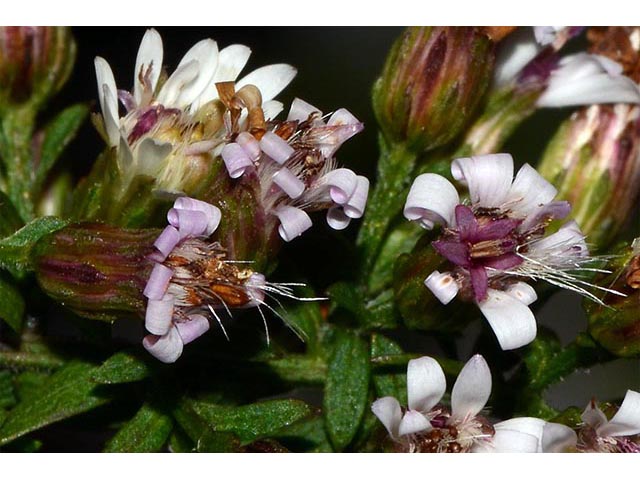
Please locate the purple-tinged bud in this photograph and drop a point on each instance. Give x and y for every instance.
(615, 324)
(594, 162)
(432, 83)
(35, 62)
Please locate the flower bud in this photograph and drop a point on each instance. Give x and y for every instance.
(615, 323)
(594, 162)
(35, 62)
(432, 82)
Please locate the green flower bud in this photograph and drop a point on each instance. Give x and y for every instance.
(616, 323)
(35, 62)
(432, 83)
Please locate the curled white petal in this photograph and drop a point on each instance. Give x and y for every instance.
(388, 411)
(342, 116)
(270, 80)
(300, 110)
(342, 183)
(189, 222)
(158, 282)
(561, 247)
(511, 320)
(426, 383)
(356, 204)
(488, 177)
(557, 438)
(196, 326)
(293, 222)
(523, 292)
(159, 315)
(432, 199)
(508, 441)
(149, 60)
(442, 285)
(212, 213)
(250, 145)
(166, 241)
(413, 422)
(166, 348)
(529, 191)
(472, 389)
(288, 182)
(235, 160)
(337, 219)
(277, 148)
(626, 421)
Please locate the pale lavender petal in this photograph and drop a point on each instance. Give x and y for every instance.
(553, 210)
(188, 222)
(293, 222)
(205, 52)
(173, 87)
(250, 145)
(358, 200)
(158, 282)
(593, 416)
(413, 422)
(159, 315)
(511, 320)
(166, 348)
(508, 441)
(271, 109)
(442, 285)
(337, 218)
(561, 247)
(558, 438)
(471, 390)
(235, 159)
(277, 148)
(166, 241)
(300, 110)
(342, 116)
(388, 411)
(529, 425)
(149, 60)
(342, 126)
(426, 383)
(626, 421)
(529, 192)
(342, 184)
(488, 177)
(196, 326)
(515, 52)
(212, 212)
(270, 80)
(432, 200)
(288, 182)
(523, 292)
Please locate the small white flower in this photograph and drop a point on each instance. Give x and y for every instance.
(427, 426)
(498, 240)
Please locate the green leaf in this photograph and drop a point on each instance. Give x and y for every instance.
(7, 394)
(388, 384)
(305, 319)
(299, 369)
(307, 435)
(347, 385)
(57, 135)
(11, 220)
(147, 431)
(122, 367)
(218, 442)
(68, 392)
(15, 250)
(179, 442)
(252, 421)
(11, 305)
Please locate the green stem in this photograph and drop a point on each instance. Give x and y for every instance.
(394, 176)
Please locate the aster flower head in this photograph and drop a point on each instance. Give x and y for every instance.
(172, 128)
(427, 426)
(295, 163)
(497, 240)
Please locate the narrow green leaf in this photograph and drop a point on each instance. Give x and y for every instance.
(346, 389)
(122, 367)
(253, 421)
(11, 220)
(307, 435)
(11, 305)
(386, 383)
(179, 442)
(299, 368)
(218, 442)
(15, 250)
(7, 394)
(305, 319)
(57, 135)
(67, 393)
(147, 431)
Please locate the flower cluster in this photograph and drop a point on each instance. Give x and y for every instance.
(190, 279)
(497, 240)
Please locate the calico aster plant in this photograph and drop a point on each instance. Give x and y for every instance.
(198, 290)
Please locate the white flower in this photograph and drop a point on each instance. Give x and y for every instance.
(498, 240)
(427, 426)
(616, 435)
(173, 120)
(547, 437)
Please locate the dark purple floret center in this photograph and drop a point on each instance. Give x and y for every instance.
(479, 241)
